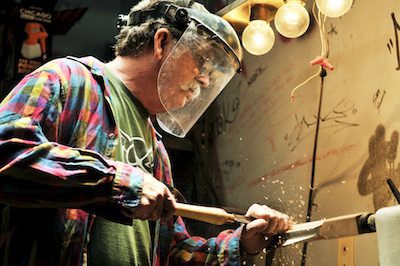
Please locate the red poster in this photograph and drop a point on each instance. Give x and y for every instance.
(33, 39)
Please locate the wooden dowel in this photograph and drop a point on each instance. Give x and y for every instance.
(210, 215)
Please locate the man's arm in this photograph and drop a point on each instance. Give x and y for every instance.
(36, 172)
(224, 249)
(229, 245)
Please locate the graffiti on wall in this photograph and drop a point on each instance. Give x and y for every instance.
(377, 99)
(257, 73)
(336, 119)
(395, 45)
(230, 165)
(227, 115)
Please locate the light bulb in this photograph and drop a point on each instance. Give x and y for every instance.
(292, 19)
(334, 8)
(258, 37)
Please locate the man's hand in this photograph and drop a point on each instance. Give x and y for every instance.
(157, 202)
(256, 234)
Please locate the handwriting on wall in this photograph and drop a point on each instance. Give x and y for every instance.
(228, 113)
(229, 165)
(259, 70)
(380, 166)
(228, 110)
(336, 119)
(390, 45)
(377, 99)
(332, 30)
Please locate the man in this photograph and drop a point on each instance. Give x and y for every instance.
(82, 173)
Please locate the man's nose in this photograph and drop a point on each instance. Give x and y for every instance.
(204, 80)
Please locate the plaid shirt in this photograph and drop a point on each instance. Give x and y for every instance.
(57, 144)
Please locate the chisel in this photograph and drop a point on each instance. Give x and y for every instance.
(332, 228)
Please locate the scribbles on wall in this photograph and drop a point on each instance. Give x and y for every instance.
(258, 72)
(390, 45)
(227, 110)
(332, 30)
(377, 99)
(229, 113)
(379, 167)
(230, 165)
(336, 119)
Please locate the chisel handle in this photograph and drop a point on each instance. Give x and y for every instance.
(210, 215)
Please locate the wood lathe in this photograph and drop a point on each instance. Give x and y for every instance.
(385, 222)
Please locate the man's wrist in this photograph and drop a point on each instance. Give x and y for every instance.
(127, 185)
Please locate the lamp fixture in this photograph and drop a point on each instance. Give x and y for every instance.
(292, 19)
(258, 37)
(252, 18)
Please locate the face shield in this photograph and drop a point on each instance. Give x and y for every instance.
(194, 73)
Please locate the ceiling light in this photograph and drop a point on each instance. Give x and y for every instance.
(334, 8)
(292, 19)
(258, 37)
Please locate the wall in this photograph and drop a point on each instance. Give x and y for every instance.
(265, 143)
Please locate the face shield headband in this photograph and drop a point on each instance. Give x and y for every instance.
(191, 77)
(181, 17)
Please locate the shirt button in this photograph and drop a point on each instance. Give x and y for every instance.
(111, 136)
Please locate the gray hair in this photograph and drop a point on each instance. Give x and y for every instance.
(132, 40)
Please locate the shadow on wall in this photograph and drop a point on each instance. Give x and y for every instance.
(379, 167)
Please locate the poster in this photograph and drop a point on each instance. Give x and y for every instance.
(33, 39)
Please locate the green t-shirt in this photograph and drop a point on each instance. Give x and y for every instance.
(112, 243)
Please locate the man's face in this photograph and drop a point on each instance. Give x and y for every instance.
(189, 78)
(192, 74)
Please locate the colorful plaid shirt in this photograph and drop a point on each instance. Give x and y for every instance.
(57, 144)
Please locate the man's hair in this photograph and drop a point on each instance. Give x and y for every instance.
(132, 40)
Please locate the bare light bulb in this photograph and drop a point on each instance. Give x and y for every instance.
(334, 8)
(292, 19)
(258, 37)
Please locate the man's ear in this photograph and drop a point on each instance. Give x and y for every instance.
(162, 43)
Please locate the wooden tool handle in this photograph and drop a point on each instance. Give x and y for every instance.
(210, 215)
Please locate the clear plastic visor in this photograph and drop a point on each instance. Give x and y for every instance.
(192, 76)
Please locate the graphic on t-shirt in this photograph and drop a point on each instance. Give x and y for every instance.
(136, 153)
(34, 45)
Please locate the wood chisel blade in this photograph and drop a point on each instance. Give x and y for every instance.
(302, 232)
